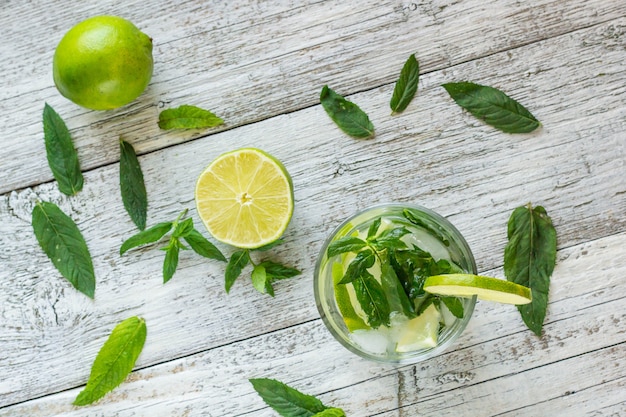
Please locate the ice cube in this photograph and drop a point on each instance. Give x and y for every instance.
(374, 341)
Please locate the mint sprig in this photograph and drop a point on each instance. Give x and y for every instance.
(263, 273)
(403, 270)
(183, 231)
(289, 402)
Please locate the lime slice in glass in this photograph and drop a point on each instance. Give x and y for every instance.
(420, 332)
(344, 303)
(485, 288)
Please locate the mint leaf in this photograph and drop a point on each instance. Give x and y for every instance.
(493, 107)
(529, 259)
(171, 259)
(417, 218)
(286, 401)
(61, 240)
(151, 235)
(371, 296)
(61, 154)
(331, 412)
(134, 195)
(346, 115)
(115, 360)
(202, 246)
(454, 305)
(359, 265)
(423, 303)
(396, 296)
(406, 86)
(413, 266)
(188, 117)
(278, 271)
(269, 289)
(183, 228)
(373, 229)
(259, 278)
(403, 273)
(390, 239)
(236, 264)
(266, 272)
(345, 244)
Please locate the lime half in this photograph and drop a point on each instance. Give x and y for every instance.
(485, 288)
(245, 198)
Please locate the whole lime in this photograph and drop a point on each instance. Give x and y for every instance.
(103, 63)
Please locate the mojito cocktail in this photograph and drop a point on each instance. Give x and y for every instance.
(369, 282)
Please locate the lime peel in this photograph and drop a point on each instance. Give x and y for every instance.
(485, 288)
(103, 63)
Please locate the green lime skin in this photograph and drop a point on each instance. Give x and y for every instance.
(103, 63)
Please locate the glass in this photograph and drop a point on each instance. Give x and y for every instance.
(429, 232)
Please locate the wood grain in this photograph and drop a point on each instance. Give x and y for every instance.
(247, 62)
(498, 367)
(261, 65)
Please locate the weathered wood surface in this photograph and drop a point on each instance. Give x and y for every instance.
(564, 60)
(248, 61)
(498, 367)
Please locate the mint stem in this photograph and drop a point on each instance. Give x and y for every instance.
(180, 216)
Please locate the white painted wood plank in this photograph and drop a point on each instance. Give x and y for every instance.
(608, 398)
(248, 62)
(487, 373)
(575, 166)
(586, 385)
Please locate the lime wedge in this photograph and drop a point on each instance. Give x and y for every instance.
(485, 288)
(342, 296)
(245, 198)
(344, 231)
(420, 332)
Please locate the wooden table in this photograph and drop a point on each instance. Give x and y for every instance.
(261, 67)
